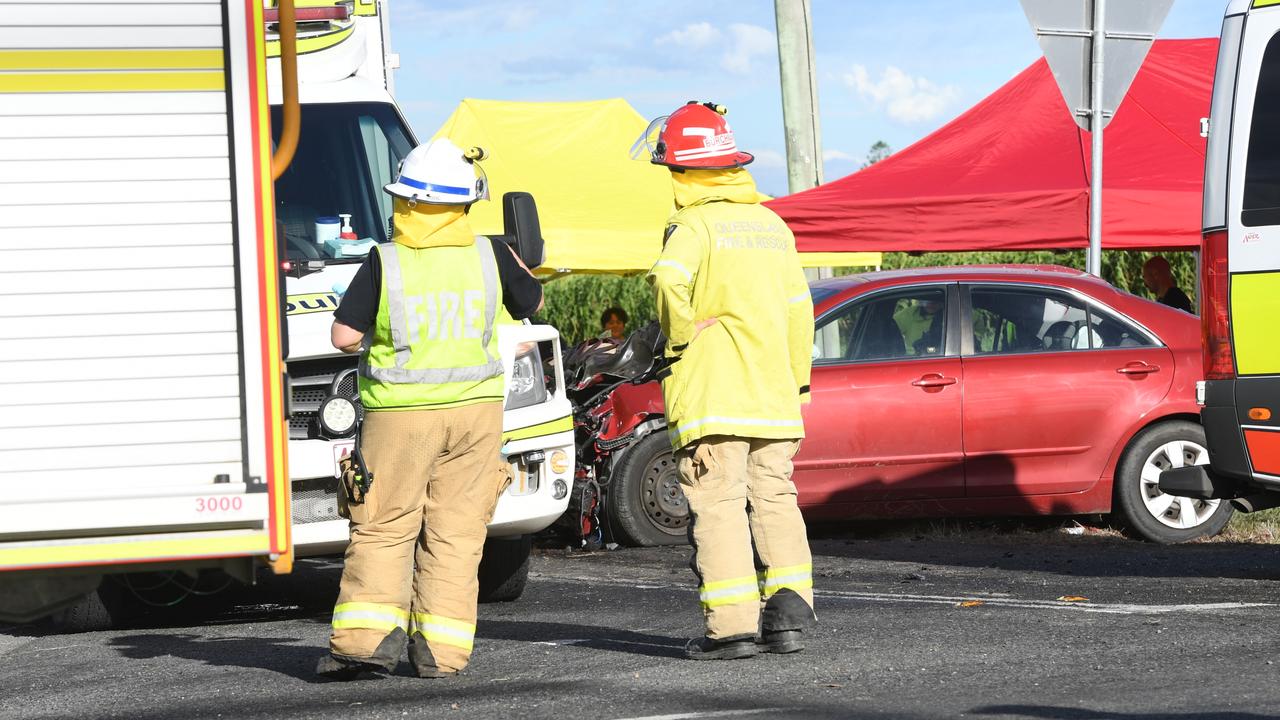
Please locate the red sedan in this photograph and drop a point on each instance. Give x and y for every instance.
(999, 390)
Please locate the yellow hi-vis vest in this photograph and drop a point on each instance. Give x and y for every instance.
(434, 344)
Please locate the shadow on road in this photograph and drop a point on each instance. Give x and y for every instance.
(1108, 557)
(588, 636)
(1070, 713)
(274, 654)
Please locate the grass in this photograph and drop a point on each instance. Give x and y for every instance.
(1261, 527)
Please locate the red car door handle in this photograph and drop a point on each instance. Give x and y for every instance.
(933, 380)
(1138, 369)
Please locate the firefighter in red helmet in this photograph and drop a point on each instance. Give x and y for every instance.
(735, 307)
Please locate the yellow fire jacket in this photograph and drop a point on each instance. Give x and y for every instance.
(728, 257)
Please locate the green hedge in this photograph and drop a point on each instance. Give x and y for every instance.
(574, 303)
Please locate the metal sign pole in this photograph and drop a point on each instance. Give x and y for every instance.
(1093, 264)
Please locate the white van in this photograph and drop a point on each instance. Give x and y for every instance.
(1240, 269)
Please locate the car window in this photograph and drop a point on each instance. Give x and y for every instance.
(895, 326)
(1110, 331)
(1007, 321)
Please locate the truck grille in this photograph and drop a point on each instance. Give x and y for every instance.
(311, 381)
(315, 500)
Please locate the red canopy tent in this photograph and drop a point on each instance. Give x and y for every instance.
(1012, 173)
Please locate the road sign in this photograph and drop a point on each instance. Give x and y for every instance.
(1065, 30)
(1094, 48)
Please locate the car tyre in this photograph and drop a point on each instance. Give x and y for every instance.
(1156, 516)
(504, 568)
(643, 501)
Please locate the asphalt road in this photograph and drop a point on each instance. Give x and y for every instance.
(1166, 632)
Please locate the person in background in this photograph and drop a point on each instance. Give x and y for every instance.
(613, 324)
(921, 330)
(1158, 277)
(736, 310)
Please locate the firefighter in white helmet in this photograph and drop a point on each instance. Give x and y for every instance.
(735, 307)
(422, 311)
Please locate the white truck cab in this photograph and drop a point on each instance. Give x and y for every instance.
(352, 139)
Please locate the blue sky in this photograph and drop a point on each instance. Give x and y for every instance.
(892, 71)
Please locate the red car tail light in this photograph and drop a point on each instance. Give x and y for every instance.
(1215, 321)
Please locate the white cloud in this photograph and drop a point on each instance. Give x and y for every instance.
(770, 159)
(517, 18)
(695, 36)
(903, 97)
(749, 42)
(838, 155)
(742, 43)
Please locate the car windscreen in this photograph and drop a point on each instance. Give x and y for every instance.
(346, 153)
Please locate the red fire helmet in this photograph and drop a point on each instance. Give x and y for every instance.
(695, 136)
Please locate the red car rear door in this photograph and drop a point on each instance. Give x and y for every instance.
(885, 418)
(1052, 383)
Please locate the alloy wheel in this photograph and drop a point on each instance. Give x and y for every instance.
(1176, 512)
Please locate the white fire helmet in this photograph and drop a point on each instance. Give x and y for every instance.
(440, 173)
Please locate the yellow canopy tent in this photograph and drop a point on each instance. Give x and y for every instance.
(600, 210)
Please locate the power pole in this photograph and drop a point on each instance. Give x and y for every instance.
(799, 100)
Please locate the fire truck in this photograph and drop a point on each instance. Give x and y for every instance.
(171, 291)
(144, 405)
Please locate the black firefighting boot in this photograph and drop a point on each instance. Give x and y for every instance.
(783, 620)
(424, 663)
(730, 648)
(385, 657)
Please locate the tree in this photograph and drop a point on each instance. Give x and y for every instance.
(879, 151)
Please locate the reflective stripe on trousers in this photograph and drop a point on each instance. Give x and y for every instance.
(794, 577)
(443, 630)
(394, 279)
(729, 592)
(369, 616)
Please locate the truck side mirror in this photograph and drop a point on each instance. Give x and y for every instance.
(522, 230)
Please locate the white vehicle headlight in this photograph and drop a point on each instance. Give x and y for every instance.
(337, 416)
(527, 385)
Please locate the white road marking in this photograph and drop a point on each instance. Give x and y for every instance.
(609, 641)
(992, 600)
(1117, 609)
(711, 714)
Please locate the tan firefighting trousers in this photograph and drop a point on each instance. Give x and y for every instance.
(740, 494)
(416, 541)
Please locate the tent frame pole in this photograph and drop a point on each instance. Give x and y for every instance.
(1093, 264)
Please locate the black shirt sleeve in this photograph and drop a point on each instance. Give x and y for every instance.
(1175, 298)
(359, 307)
(521, 292)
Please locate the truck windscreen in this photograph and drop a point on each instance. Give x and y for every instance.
(346, 153)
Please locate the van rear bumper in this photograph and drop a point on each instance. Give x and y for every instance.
(1229, 473)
